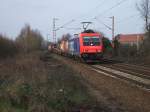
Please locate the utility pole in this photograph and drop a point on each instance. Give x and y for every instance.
(113, 27)
(137, 42)
(115, 41)
(54, 29)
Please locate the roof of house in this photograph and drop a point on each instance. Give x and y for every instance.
(130, 37)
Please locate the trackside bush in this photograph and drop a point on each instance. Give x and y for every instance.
(8, 47)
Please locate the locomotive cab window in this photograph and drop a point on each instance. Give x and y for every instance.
(91, 41)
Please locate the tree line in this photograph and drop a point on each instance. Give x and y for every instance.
(27, 41)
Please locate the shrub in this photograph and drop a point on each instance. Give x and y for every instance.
(8, 47)
(127, 51)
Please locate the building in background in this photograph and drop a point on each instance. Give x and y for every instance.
(130, 39)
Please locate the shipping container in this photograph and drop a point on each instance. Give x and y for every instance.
(74, 47)
(64, 46)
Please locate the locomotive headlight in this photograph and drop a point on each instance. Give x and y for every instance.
(98, 50)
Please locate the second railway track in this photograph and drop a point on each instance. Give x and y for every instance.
(133, 74)
(123, 91)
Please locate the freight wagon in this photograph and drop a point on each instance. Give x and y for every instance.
(64, 46)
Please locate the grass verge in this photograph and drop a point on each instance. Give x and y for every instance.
(28, 84)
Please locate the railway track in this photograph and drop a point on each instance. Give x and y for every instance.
(119, 91)
(133, 74)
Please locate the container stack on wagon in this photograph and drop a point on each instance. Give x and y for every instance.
(64, 46)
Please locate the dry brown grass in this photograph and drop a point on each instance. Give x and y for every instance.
(29, 84)
(19, 78)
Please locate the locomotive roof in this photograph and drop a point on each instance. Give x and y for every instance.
(89, 31)
(90, 34)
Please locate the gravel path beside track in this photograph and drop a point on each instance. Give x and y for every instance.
(119, 95)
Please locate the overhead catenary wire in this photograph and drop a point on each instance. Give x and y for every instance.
(102, 2)
(107, 10)
(91, 10)
(69, 28)
(99, 5)
(114, 6)
(123, 22)
(96, 17)
(103, 23)
(127, 18)
(65, 24)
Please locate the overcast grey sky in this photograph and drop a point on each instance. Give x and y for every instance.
(14, 14)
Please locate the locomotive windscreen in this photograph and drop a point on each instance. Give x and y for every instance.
(91, 41)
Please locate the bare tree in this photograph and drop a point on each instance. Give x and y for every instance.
(144, 9)
(29, 39)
